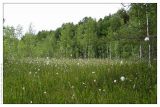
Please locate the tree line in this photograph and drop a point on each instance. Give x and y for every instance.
(118, 35)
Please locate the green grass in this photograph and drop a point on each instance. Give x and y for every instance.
(79, 81)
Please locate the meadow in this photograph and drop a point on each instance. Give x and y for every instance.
(79, 81)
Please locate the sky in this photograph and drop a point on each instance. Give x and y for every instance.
(52, 16)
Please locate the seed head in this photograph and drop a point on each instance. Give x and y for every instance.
(83, 83)
(72, 86)
(115, 81)
(121, 62)
(146, 38)
(122, 78)
(23, 88)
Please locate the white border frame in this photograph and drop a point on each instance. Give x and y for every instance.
(84, 2)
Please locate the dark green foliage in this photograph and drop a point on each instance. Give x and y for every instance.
(115, 36)
(123, 14)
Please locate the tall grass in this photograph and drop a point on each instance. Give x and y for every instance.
(79, 81)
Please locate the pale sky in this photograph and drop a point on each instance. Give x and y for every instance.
(52, 16)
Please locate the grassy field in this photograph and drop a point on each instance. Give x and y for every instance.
(79, 81)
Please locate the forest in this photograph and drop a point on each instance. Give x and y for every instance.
(119, 35)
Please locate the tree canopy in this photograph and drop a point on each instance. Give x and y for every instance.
(115, 36)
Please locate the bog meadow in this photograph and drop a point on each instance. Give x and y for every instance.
(112, 60)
